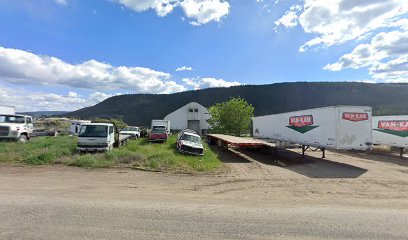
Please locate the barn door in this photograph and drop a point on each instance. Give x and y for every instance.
(194, 125)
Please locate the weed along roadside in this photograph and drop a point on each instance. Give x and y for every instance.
(138, 154)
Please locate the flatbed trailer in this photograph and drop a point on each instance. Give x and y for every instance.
(228, 141)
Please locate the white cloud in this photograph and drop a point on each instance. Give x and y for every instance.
(192, 82)
(338, 21)
(98, 97)
(290, 19)
(200, 11)
(61, 2)
(73, 94)
(386, 57)
(205, 11)
(22, 67)
(200, 83)
(184, 68)
(39, 101)
(213, 82)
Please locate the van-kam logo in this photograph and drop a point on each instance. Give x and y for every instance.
(394, 127)
(355, 117)
(302, 123)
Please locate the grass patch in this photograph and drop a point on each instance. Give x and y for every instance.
(42, 150)
(164, 156)
(137, 154)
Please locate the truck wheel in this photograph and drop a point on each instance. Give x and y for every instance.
(23, 138)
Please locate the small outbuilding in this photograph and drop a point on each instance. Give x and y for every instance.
(193, 116)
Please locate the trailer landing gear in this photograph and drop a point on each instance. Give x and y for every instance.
(305, 148)
(401, 153)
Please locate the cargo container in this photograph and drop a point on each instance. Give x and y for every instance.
(7, 110)
(337, 127)
(391, 131)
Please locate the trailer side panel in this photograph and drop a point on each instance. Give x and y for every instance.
(391, 130)
(319, 127)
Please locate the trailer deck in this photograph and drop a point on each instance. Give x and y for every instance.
(231, 141)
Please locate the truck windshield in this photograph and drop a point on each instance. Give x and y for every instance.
(158, 128)
(11, 119)
(93, 131)
(133, 129)
(191, 138)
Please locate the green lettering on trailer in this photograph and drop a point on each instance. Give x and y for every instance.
(302, 130)
(394, 132)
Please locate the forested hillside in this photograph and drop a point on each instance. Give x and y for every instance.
(139, 109)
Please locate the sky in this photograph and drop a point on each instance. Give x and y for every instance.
(69, 54)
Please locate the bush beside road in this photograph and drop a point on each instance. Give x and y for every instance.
(139, 154)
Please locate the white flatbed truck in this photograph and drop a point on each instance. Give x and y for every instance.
(100, 137)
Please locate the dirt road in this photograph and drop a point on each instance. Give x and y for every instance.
(354, 195)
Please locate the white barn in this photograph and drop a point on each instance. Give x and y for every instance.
(192, 116)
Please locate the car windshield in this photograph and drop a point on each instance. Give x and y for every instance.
(191, 138)
(93, 131)
(11, 119)
(133, 129)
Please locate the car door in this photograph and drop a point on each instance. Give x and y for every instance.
(111, 137)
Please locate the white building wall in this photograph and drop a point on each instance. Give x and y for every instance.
(180, 117)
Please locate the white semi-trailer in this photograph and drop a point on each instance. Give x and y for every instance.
(391, 131)
(337, 127)
(7, 110)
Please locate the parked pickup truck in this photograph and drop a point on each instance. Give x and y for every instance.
(16, 127)
(158, 134)
(134, 132)
(189, 142)
(99, 137)
(161, 123)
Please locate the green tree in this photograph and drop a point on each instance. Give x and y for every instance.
(232, 117)
(118, 123)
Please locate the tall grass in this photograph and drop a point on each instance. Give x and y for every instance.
(44, 150)
(137, 154)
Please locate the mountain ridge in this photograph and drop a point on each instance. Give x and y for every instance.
(140, 109)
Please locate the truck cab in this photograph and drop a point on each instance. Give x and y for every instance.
(133, 132)
(96, 137)
(16, 127)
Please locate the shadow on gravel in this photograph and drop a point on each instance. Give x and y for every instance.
(311, 167)
(392, 158)
(227, 156)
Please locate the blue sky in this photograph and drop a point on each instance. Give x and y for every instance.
(67, 54)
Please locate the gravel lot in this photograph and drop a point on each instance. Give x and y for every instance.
(260, 196)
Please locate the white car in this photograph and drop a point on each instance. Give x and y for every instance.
(134, 132)
(189, 142)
